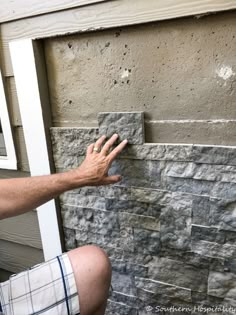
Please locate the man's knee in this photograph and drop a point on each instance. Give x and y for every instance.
(93, 258)
(92, 271)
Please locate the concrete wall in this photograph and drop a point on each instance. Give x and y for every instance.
(168, 226)
(180, 72)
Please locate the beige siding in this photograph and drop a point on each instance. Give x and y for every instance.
(4, 275)
(20, 242)
(16, 258)
(13, 10)
(22, 229)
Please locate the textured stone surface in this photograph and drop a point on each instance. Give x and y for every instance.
(146, 241)
(70, 145)
(133, 206)
(128, 126)
(139, 221)
(69, 238)
(123, 283)
(207, 234)
(222, 213)
(138, 173)
(214, 155)
(169, 227)
(172, 291)
(214, 249)
(162, 152)
(206, 172)
(201, 210)
(120, 309)
(177, 273)
(222, 285)
(176, 224)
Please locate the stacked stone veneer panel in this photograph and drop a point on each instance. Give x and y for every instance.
(169, 227)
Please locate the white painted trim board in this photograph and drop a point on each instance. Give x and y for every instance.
(27, 85)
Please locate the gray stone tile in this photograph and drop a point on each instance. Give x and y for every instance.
(189, 185)
(230, 265)
(135, 207)
(127, 300)
(123, 283)
(158, 151)
(146, 241)
(125, 267)
(178, 273)
(167, 290)
(72, 141)
(222, 214)
(69, 238)
(209, 234)
(224, 190)
(176, 225)
(222, 285)
(128, 125)
(214, 155)
(138, 221)
(211, 249)
(81, 201)
(119, 308)
(138, 173)
(201, 210)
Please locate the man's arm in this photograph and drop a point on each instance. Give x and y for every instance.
(23, 194)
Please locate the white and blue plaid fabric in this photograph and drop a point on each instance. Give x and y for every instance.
(48, 288)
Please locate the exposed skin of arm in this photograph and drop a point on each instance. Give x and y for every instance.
(20, 195)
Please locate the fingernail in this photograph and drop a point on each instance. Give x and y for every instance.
(125, 141)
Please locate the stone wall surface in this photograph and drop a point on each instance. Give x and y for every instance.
(169, 227)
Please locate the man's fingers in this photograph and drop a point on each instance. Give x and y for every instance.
(90, 148)
(99, 143)
(105, 150)
(117, 150)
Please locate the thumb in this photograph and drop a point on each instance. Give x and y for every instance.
(112, 179)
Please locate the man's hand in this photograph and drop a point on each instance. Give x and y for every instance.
(19, 195)
(94, 169)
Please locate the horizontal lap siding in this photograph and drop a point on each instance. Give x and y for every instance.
(23, 229)
(20, 242)
(4, 275)
(13, 10)
(16, 258)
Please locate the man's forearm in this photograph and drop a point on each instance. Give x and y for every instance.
(20, 195)
(23, 194)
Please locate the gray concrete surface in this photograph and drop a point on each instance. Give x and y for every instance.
(181, 73)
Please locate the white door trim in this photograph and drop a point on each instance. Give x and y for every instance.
(31, 100)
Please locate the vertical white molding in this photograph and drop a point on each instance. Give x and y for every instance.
(27, 85)
(8, 161)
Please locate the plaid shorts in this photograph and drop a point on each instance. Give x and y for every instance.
(48, 288)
